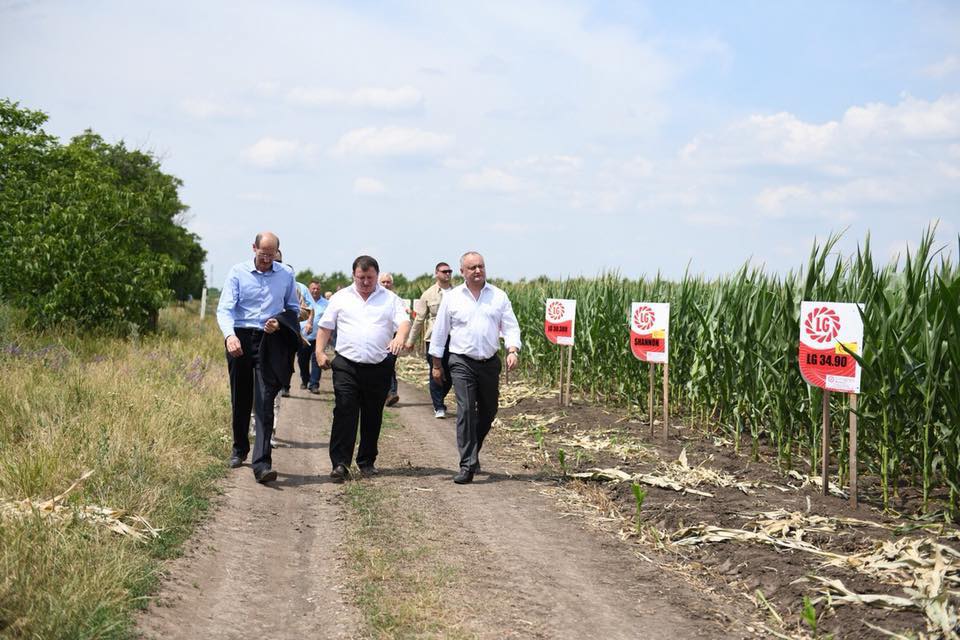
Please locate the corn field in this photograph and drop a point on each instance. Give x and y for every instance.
(733, 358)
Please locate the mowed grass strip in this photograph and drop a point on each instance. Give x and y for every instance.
(405, 586)
(149, 417)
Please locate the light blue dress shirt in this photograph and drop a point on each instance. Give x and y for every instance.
(319, 306)
(249, 297)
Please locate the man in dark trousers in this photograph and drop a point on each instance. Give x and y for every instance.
(255, 295)
(371, 324)
(474, 315)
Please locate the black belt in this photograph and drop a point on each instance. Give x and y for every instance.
(362, 364)
(477, 360)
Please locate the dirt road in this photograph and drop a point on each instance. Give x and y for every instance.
(276, 560)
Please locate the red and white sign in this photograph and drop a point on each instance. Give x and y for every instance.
(559, 320)
(825, 329)
(649, 330)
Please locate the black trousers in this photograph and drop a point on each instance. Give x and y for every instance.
(247, 389)
(439, 390)
(476, 384)
(359, 392)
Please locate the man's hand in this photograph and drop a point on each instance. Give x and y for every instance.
(272, 325)
(233, 346)
(436, 372)
(395, 346)
(322, 360)
(512, 360)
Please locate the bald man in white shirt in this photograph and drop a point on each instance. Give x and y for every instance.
(372, 325)
(474, 315)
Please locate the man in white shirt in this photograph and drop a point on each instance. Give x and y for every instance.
(473, 315)
(371, 324)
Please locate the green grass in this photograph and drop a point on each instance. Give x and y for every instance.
(401, 579)
(148, 415)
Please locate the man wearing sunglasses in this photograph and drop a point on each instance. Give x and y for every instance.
(426, 308)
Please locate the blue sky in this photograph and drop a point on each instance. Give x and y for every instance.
(558, 138)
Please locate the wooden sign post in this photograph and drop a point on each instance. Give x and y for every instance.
(559, 327)
(649, 342)
(829, 333)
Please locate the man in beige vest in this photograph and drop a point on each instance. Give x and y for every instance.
(426, 309)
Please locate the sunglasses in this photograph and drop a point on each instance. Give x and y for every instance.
(446, 271)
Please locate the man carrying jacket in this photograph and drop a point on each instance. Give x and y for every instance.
(255, 295)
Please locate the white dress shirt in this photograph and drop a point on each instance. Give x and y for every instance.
(364, 327)
(475, 324)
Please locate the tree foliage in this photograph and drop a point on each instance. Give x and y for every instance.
(91, 230)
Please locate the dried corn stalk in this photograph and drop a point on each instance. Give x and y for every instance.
(117, 520)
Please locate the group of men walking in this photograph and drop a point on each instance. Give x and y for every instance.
(462, 326)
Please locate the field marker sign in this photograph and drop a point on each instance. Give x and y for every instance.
(649, 329)
(829, 333)
(649, 342)
(559, 325)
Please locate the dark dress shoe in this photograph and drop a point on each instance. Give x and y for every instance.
(303, 385)
(340, 473)
(285, 393)
(235, 461)
(369, 470)
(268, 475)
(392, 400)
(464, 477)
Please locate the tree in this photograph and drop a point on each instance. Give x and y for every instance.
(89, 229)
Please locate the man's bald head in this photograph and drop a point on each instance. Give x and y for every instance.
(267, 240)
(266, 248)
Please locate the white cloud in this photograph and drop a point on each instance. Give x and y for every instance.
(207, 109)
(277, 153)
(491, 180)
(910, 119)
(557, 164)
(947, 66)
(773, 200)
(863, 132)
(368, 186)
(391, 142)
(375, 98)
(717, 220)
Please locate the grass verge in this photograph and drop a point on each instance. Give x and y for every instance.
(147, 416)
(405, 586)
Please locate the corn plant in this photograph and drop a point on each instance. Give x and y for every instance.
(733, 357)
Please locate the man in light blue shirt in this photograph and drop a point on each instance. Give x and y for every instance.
(255, 293)
(306, 356)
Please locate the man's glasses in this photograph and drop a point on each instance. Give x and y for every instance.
(446, 271)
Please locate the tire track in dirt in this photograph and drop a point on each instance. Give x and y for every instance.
(267, 563)
(270, 560)
(529, 573)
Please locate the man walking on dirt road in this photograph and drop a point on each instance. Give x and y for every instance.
(386, 281)
(371, 324)
(427, 307)
(474, 315)
(254, 299)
